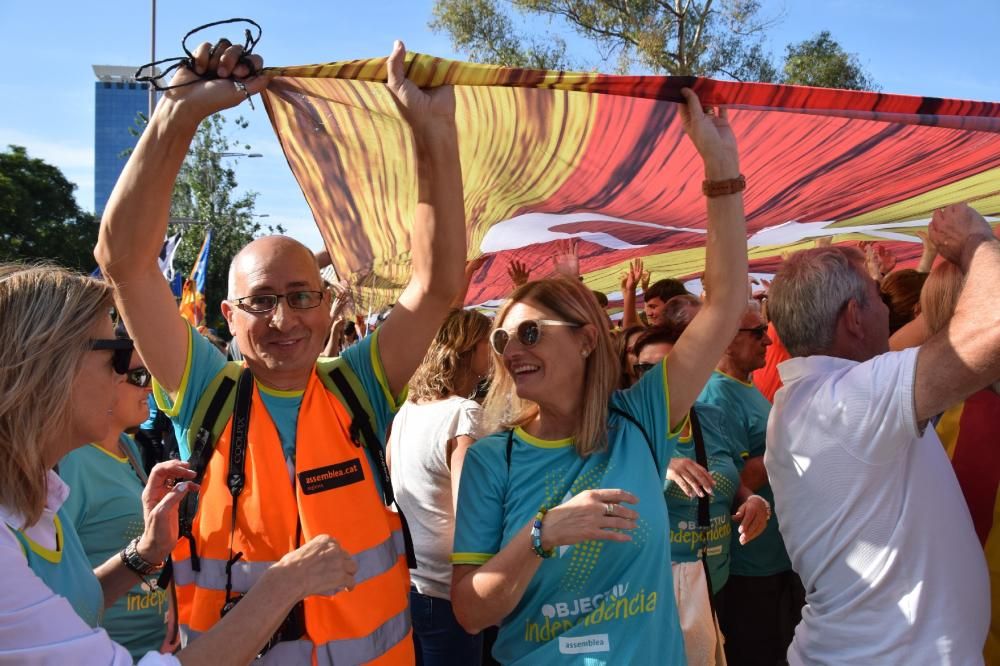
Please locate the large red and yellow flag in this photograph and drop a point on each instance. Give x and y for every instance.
(552, 156)
(192, 305)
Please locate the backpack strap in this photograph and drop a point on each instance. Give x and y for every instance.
(634, 421)
(340, 379)
(704, 518)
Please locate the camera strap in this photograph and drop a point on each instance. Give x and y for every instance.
(236, 476)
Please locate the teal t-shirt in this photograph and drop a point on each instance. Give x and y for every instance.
(748, 410)
(596, 602)
(66, 570)
(205, 361)
(105, 508)
(725, 460)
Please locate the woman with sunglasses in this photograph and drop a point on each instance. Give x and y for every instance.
(105, 506)
(58, 390)
(562, 534)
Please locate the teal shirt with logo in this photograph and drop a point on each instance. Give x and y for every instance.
(748, 410)
(725, 461)
(595, 602)
(105, 508)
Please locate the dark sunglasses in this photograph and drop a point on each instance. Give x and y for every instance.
(528, 333)
(640, 368)
(757, 331)
(300, 300)
(139, 377)
(121, 349)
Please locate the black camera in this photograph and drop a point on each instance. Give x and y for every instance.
(292, 628)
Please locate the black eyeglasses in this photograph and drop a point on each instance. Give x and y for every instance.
(757, 331)
(139, 377)
(640, 368)
(528, 333)
(121, 349)
(300, 300)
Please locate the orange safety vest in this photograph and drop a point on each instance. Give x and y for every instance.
(335, 494)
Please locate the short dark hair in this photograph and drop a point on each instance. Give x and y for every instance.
(657, 335)
(665, 289)
(602, 298)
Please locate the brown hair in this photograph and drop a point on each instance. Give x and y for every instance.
(626, 377)
(449, 356)
(940, 295)
(901, 293)
(48, 314)
(570, 301)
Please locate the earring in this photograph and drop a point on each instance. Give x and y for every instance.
(585, 353)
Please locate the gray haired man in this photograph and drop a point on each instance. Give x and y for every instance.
(870, 511)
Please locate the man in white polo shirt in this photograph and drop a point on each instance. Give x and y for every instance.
(871, 514)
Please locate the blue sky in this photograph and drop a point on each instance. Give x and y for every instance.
(47, 88)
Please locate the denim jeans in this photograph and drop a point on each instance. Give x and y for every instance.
(438, 637)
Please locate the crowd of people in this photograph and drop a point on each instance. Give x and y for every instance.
(725, 477)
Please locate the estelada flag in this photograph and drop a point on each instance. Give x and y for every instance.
(550, 156)
(192, 305)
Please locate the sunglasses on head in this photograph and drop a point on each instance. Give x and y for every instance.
(139, 377)
(528, 333)
(757, 331)
(121, 348)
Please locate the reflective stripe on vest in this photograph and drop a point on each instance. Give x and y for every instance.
(371, 562)
(346, 652)
(335, 494)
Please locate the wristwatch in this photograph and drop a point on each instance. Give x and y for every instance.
(136, 562)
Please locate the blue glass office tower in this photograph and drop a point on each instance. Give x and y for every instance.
(118, 99)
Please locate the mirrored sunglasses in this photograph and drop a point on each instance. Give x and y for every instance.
(139, 377)
(528, 333)
(640, 368)
(121, 348)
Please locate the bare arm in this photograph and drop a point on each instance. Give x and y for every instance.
(699, 348)
(482, 596)
(437, 239)
(457, 448)
(471, 267)
(135, 220)
(965, 356)
(319, 567)
(754, 476)
(629, 283)
(912, 334)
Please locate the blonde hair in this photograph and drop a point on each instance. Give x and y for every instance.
(449, 356)
(939, 295)
(570, 301)
(48, 314)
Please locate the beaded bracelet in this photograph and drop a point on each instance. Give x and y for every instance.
(536, 536)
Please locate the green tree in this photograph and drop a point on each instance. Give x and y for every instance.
(682, 37)
(205, 193)
(39, 217)
(822, 62)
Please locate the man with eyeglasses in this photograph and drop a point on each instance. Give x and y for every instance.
(761, 603)
(305, 474)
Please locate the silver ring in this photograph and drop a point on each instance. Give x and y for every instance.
(609, 509)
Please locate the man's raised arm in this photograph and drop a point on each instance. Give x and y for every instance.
(437, 239)
(135, 220)
(965, 356)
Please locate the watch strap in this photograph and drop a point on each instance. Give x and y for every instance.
(718, 188)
